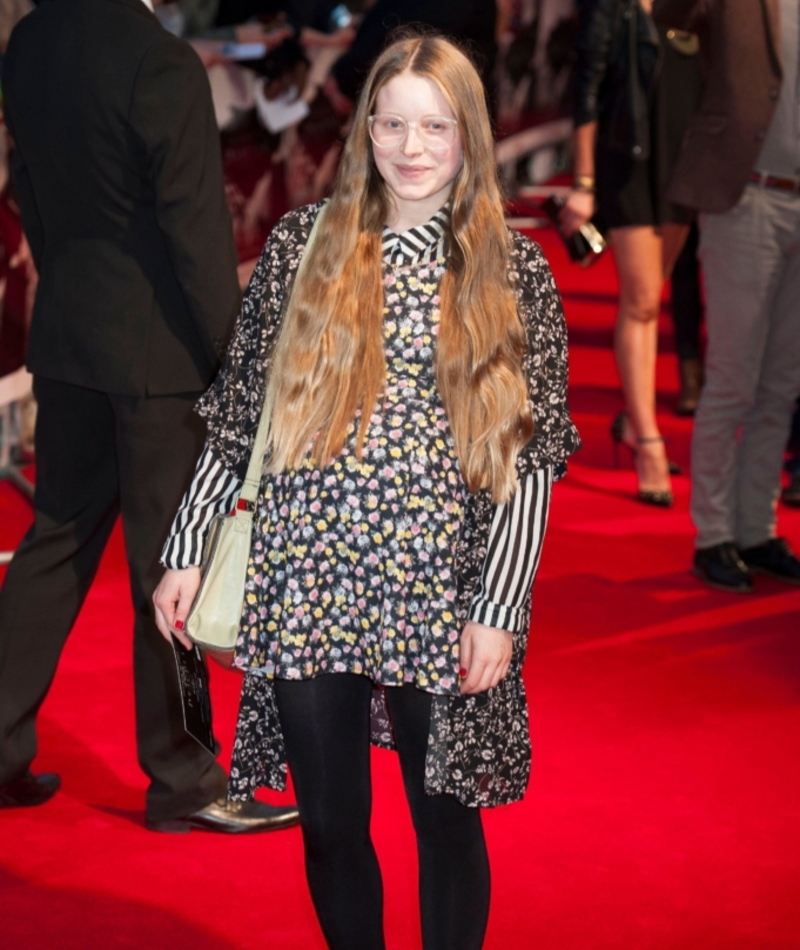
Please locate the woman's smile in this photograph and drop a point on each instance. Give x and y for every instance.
(420, 179)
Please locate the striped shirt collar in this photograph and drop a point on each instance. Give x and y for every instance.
(422, 244)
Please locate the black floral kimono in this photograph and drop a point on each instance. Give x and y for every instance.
(479, 746)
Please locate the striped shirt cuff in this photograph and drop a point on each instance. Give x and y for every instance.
(212, 492)
(513, 553)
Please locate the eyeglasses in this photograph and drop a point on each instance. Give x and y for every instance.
(436, 132)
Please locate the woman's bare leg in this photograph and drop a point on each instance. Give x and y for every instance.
(639, 255)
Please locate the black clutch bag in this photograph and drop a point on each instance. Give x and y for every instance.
(585, 246)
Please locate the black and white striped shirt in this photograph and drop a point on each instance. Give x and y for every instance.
(517, 533)
(425, 242)
(512, 553)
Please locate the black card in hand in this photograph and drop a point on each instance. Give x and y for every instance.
(195, 697)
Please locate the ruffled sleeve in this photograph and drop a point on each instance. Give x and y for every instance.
(545, 364)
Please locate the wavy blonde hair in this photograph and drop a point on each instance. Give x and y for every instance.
(329, 360)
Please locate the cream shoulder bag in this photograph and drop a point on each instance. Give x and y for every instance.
(213, 621)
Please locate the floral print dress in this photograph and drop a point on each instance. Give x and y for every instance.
(375, 566)
(353, 565)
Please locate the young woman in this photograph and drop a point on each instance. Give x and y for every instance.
(635, 90)
(418, 377)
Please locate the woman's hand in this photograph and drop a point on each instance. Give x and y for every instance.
(578, 209)
(485, 655)
(172, 598)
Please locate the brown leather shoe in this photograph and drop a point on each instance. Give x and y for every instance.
(231, 818)
(29, 790)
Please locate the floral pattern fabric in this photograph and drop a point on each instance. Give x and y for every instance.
(353, 566)
(479, 748)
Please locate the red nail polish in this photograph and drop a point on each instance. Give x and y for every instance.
(463, 672)
(179, 625)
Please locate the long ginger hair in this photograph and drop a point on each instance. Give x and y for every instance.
(329, 361)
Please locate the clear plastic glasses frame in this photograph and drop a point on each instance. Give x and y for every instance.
(436, 132)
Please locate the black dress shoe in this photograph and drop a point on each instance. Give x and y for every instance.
(232, 818)
(773, 558)
(29, 789)
(720, 566)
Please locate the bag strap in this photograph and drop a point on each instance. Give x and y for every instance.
(252, 479)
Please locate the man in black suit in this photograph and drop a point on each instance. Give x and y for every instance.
(118, 172)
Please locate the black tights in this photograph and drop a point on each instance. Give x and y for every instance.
(325, 724)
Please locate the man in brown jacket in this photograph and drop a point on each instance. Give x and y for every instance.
(740, 167)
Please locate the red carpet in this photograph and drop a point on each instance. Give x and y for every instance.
(662, 813)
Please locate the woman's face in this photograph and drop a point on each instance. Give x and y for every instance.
(419, 177)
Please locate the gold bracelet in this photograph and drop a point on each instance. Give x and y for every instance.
(583, 183)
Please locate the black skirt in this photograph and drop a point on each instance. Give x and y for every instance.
(631, 192)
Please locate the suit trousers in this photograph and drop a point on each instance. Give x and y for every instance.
(100, 455)
(751, 264)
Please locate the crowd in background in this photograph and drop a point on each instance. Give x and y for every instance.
(284, 76)
(399, 550)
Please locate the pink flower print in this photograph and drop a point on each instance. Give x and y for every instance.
(315, 506)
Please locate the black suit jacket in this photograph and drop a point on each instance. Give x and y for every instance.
(119, 177)
(741, 43)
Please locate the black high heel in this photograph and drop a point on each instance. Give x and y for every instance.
(661, 499)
